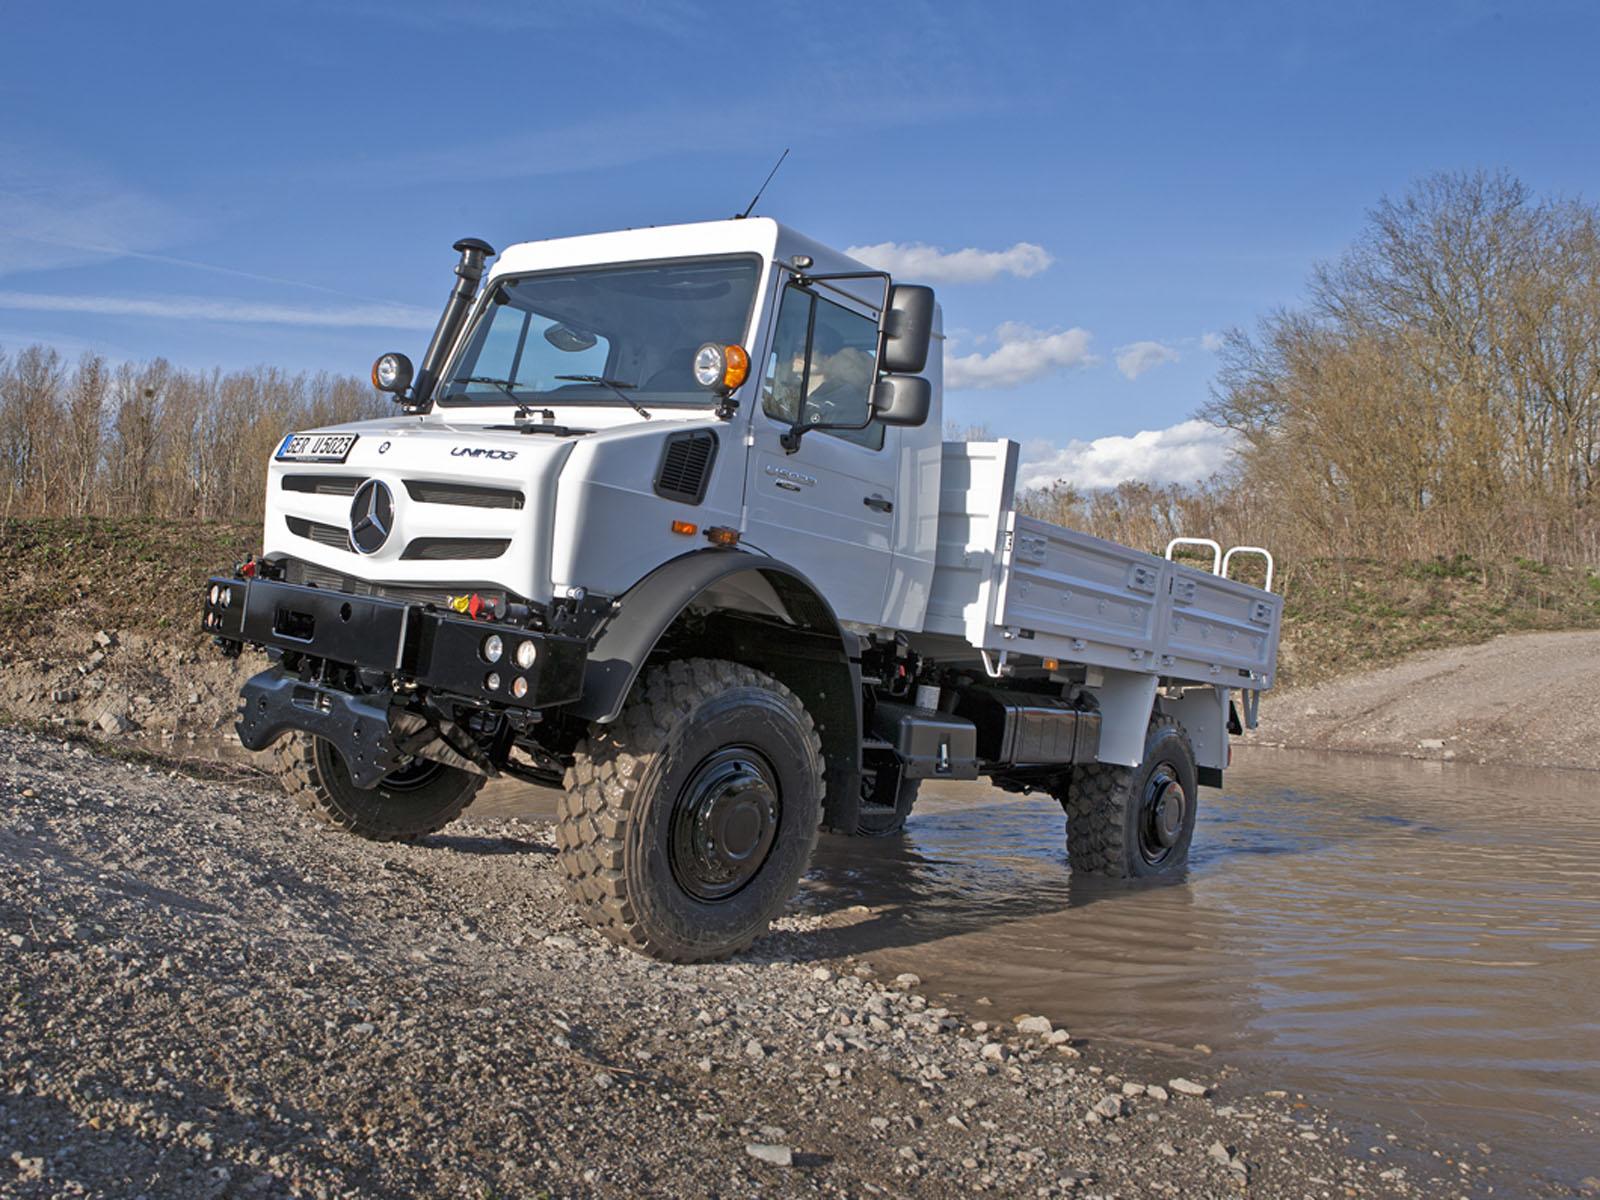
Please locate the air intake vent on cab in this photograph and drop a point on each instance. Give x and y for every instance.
(686, 465)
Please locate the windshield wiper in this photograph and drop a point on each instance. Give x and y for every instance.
(616, 385)
(505, 385)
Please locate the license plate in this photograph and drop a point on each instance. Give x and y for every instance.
(316, 447)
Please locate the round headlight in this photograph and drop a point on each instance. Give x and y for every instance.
(492, 681)
(227, 596)
(710, 363)
(526, 653)
(216, 593)
(519, 687)
(493, 648)
(391, 373)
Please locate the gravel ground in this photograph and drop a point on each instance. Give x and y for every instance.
(1523, 699)
(203, 994)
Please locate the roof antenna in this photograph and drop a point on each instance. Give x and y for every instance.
(751, 206)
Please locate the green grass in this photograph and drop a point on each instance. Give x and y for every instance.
(1350, 616)
(102, 573)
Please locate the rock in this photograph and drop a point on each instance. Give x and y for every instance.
(105, 640)
(993, 1052)
(905, 982)
(1431, 744)
(95, 659)
(111, 721)
(1156, 1092)
(364, 1028)
(1058, 1037)
(1187, 1087)
(822, 975)
(1589, 1184)
(754, 1050)
(1219, 1153)
(778, 1156)
(1133, 1089)
(1109, 1108)
(63, 696)
(1038, 1025)
(560, 941)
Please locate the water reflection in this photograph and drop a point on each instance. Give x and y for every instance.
(1412, 943)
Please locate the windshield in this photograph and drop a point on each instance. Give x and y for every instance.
(631, 330)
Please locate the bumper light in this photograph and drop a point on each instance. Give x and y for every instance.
(492, 681)
(493, 648)
(526, 653)
(519, 687)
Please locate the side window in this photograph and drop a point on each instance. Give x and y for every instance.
(822, 368)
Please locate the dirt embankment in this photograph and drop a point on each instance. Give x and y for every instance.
(1518, 700)
(204, 994)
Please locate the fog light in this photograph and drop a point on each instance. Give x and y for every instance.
(216, 592)
(721, 367)
(227, 596)
(492, 681)
(493, 648)
(519, 687)
(392, 373)
(526, 653)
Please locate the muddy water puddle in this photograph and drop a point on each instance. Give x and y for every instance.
(1415, 946)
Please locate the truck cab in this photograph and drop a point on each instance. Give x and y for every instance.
(664, 518)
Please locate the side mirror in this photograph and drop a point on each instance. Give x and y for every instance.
(907, 329)
(902, 399)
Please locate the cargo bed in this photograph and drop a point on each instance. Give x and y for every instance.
(1008, 584)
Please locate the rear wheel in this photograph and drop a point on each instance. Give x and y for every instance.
(420, 798)
(1135, 822)
(688, 821)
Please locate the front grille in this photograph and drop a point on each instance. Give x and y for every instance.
(443, 548)
(335, 536)
(686, 465)
(471, 495)
(438, 595)
(322, 485)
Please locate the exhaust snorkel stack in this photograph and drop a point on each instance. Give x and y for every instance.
(469, 271)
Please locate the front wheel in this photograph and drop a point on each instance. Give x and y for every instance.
(416, 800)
(1135, 822)
(688, 821)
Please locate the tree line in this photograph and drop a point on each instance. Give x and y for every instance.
(92, 438)
(1437, 393)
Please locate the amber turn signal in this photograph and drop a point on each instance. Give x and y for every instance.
(687, 528)
(721, 368)
(721, 535)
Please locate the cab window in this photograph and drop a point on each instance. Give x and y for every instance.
(822, 368)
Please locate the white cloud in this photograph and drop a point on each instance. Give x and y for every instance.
(1134, 359)
(1211, 342)
(56, 211)
(1184, 453)
(197, 308)
(1022, 354)
(929, 264)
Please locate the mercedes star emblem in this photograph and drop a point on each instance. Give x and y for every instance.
(371, 516)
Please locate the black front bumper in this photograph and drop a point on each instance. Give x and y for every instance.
(405, 641)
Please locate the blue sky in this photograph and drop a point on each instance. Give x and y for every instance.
(232, 185)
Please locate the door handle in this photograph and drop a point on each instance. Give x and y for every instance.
(878, 504)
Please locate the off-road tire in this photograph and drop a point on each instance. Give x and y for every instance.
(315, 776)
(1105, 804)
(632, 780)
(884, 820)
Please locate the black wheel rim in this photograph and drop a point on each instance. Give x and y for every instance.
(1163, 815)
(724, 822)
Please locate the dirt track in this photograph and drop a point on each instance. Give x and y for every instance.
(1519, 700)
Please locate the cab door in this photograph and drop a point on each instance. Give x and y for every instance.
(827, 508)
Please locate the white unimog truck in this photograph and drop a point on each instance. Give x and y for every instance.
(666, 521)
